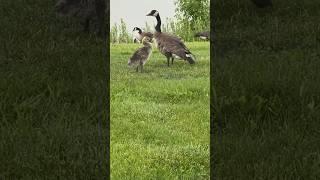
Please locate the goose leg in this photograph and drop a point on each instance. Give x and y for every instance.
(168, 60)
(137, 69)
(172, 60)
(141, 67)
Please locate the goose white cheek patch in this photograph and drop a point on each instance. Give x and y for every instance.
(136, 34)
(156, 14)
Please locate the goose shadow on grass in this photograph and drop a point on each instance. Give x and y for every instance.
(156, 73)
(145, 70)
(161, 68)
(178, 63)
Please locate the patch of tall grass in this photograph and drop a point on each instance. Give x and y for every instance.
(119, 33)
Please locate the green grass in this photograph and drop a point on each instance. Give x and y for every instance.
(52, 95)
(267, 82)
(160, 118)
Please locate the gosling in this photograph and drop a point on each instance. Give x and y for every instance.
(141, 56)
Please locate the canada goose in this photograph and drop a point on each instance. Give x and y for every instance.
(139, 35)
(170, 45)
(141, 56)
(135, 40)
(262, 3)
(203, 35)
(88, 11)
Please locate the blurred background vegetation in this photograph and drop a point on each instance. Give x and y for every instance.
(52, 95)
(191, 17)
(265, 88)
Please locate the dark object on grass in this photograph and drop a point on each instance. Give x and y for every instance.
(141, 56)
(169, 45)
(262, 3)
(203, 35)
(90, 12)
(139, 35)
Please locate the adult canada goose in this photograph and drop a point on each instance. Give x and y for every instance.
(203, 35)
(262, 3)
(139, 35)
(141, 56)
(170, 45)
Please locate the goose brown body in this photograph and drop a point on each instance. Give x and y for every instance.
(172, 47)
(169, 45)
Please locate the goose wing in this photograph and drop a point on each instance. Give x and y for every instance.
(169, 44)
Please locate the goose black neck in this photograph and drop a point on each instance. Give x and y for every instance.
(158, 26)
(139, 30)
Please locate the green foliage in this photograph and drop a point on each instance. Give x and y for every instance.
(193, 15)
(114, 34)
(160, 118)
(119, 33)
(124, 36)
(181, 29)
(193, 10)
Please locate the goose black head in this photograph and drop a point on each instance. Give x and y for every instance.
(154, 13)
(137, 29)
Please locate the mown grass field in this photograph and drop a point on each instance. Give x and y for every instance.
(267, 83)
(160, 118)
(52, 95)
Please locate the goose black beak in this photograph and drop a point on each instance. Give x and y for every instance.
(149, 14)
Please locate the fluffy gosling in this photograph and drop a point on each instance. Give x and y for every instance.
(141, 56)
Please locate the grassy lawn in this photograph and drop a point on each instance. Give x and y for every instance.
(160, 118)
(267, 82)
(52, 95)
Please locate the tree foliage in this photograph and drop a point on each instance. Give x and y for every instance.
(119, 33)
(194, 13)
